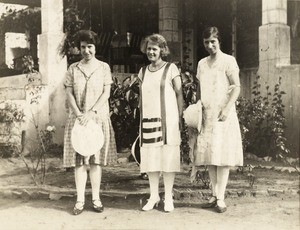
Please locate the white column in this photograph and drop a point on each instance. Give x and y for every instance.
(51, 65)
(274, 34)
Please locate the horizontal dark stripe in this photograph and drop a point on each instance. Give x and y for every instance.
(151, 130)
(151, 119)
(152, 140)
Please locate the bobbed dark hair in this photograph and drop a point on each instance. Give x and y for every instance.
(159, 40)
(211, 31)
(86, 36)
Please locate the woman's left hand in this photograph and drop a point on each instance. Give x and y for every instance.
(84, 119)
(223, 114)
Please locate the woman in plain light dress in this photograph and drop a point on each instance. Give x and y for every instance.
(219, 144)
(161, 116)
(87, 86)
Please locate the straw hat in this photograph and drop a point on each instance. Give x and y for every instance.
(87, 140)
(193, 115)
(135, 150)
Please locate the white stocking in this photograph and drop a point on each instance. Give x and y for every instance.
(212, 171)
(95, 177)
(168, 183)
(80, 181)
(222, 178)
(154, 184)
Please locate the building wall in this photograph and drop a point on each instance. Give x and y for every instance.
(16, 89)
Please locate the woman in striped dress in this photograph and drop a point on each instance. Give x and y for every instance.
(87, 86)
(161, 116)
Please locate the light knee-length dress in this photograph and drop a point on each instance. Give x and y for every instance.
(159, 130)
(219, 142)
(87, 89)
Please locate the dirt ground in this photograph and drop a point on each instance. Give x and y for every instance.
(278, 211)
(274, 213)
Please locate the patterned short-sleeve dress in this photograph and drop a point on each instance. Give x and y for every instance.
(87, 90)
(219, 143)
(160, 117)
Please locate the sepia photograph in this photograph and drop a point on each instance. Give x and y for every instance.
(149, 114)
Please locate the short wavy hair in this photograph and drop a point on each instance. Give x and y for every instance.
(159, 40)
(212, 31)
(86, 36)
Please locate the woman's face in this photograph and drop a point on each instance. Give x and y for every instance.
(88, 51)
(211, 44)
(153, 51)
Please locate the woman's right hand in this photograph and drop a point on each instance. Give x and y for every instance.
(84, 118)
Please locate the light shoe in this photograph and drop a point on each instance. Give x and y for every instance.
(221, 206)
(169, 205)
(151, 203)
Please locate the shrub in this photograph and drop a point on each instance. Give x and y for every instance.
(11, 115)
(11, 112)
(189, 90)
(262, 122)
(124, 111)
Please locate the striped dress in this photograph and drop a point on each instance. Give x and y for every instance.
(160, 134)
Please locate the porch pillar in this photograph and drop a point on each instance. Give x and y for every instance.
(168, 27)
(52, 66)
(274, 34)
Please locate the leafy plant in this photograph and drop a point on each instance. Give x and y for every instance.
(11, 112)
(25, 19)
(189, 90)
(189, 87)
(124, 101)
(72, 24)
(11, 116)
(36, 166)
(262, 122)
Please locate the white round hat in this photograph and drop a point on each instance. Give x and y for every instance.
(87, 140)
(193, 115)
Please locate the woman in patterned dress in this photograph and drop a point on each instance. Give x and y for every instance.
(88, 89)
(219, 144)
(161, 116)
